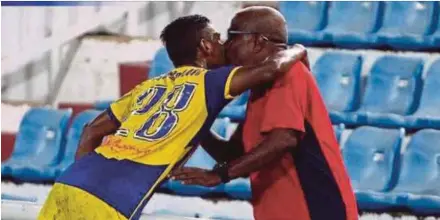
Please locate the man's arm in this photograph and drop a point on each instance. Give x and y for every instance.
(224, 151)
(282, 126)
(94, 132)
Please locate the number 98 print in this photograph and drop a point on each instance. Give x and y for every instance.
(163, 121)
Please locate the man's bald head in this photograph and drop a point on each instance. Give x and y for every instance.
(261, 19)
(254, 34)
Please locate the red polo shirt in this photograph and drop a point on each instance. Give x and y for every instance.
(311, 182)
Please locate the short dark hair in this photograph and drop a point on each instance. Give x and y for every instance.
(182, 37)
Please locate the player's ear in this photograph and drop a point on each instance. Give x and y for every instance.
(206, 47)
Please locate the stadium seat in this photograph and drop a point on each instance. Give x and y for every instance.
(339, 79)
(201, 159)
(39, 145)
(239, 188)
(434, 38)
(338, 129)
(393, 90)
(373, 165)
(428, 112)
(161, 64)
(358, 31)
(102, 105)
(73, 137)
(236, 109)
(412, 30)
(220, 128)
(305, 20)
(419, 179)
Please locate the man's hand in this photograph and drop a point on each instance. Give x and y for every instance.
(196, 176)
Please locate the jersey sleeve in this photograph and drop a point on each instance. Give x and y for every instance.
(287, 101)
(217, 84)
(121, 108)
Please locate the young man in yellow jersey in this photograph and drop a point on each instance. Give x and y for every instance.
(156, 125)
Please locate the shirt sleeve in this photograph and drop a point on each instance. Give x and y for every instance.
(217, 84)
(218, 81)
(287, 101)
(121, 108)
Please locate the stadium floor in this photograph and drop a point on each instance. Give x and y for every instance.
(158, 208)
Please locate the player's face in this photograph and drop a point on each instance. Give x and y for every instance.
(238, 46)
(215, 55)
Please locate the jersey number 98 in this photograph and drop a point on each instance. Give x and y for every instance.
(162, 122)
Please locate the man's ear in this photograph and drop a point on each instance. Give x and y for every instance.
(259, 44)
(206, 47)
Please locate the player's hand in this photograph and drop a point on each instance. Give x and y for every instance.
(286, 58)
(196, 176)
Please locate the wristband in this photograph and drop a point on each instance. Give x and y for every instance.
(221, 169)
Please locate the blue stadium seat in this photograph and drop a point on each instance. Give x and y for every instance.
(73, 136)
(338, 129)
(39, 145)
(305, 20)
(373, 165)
(236, 109)
(161, 64)
(201, 159)
(428, 112)
(339, 79)
(419, 179)
(102, 105)
(220, 128)
(434, 38)
(411, 31)
(239, 188)
(393, 90)
(358, 30)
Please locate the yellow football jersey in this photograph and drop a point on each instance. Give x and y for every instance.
(160, 120)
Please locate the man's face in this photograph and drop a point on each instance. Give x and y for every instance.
(238, 47)
(216, 55)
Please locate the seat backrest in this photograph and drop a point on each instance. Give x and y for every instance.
(41, 136)
(364, 16)
(241, 99)
(75, 132)
(339, 79)
(201, 159)
(371, 156)
(420, 171)
(220, 128)
(413, 17)
(430, 100)
(338, 129)
(161, 64)
(309, 15)
(393, 86)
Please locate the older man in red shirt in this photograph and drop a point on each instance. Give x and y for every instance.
(291, 153)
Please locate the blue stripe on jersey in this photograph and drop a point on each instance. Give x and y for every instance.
(120, 183)
(324, 200)
(112, 116)
(215, 83)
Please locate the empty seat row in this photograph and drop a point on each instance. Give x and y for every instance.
(383, 177)
(42, 150)
(396, 93)
(400, 25)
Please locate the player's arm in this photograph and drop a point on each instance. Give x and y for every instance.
(248, 77)
(108, 122)
(94, 132)
(224, 151)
